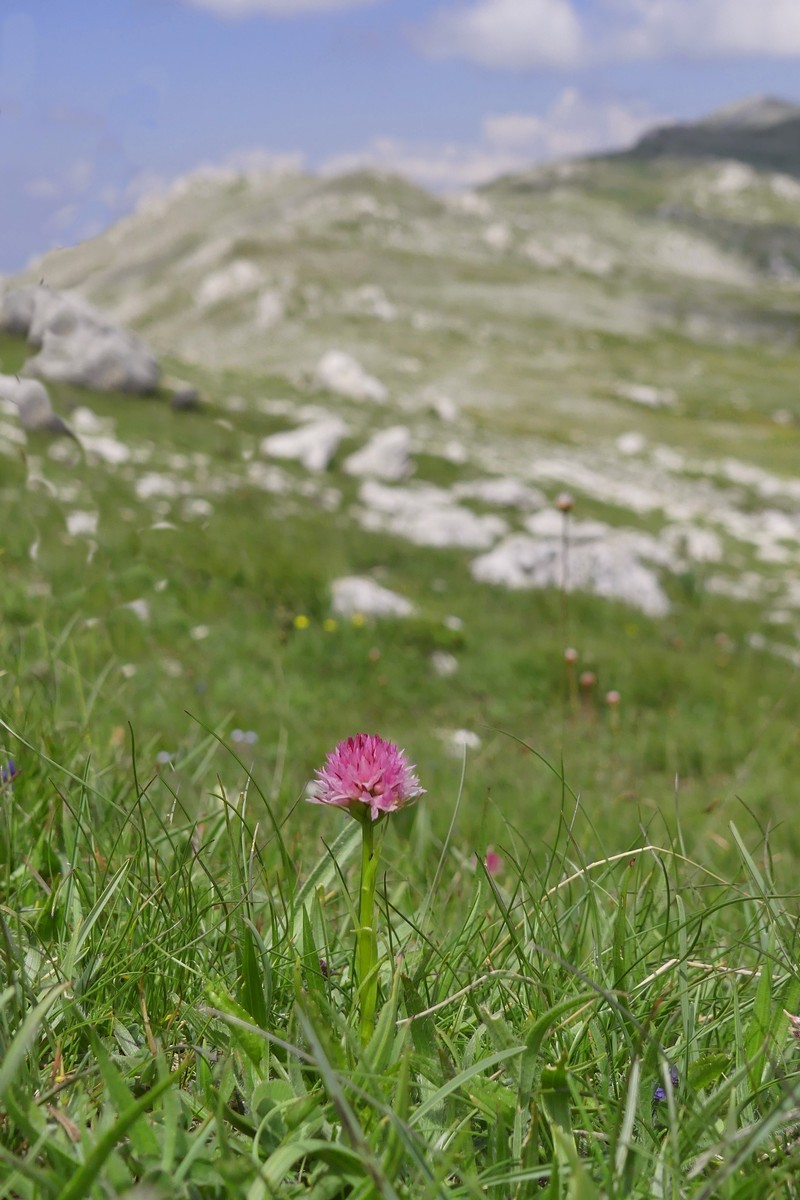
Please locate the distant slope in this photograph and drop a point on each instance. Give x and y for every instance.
(763, 132)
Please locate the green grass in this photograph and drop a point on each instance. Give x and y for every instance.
(167, 899)
(179, 1010)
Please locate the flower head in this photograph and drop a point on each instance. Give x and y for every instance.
(8, 772)
(367, 776)
(493, 861)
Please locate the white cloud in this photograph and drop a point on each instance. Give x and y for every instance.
(572, 125)
(508, 33)
(276, 8)
(522, 34)
(707, 28)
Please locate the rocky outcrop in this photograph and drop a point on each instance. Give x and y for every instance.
(77, 344)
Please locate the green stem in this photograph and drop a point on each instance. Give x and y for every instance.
(366, 941)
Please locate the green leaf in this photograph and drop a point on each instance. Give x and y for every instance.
(24, 1038)
(143, 1139)
(244, 1034)
(758, 1028)
(706, 1070)
(78, 1187)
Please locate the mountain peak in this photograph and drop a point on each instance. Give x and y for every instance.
(762, 131)
(754, 112)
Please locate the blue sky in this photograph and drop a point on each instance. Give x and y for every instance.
(102, 101)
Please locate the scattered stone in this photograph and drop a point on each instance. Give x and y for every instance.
(268, 478)
(386, 456)
(427, 516)
(31, 400)
(631, 443)
(269, 310)
(497, 236)
(370, 301)
(185, 399)
(140, 608)
(85, 422)
(238, 278)
(455, 452)
(152, 484)
(503, 492)
(644, 393)
(445, 408)
(689, 542)
(604, 561)
(444, 665)
(313, 445)
(358, 594)
(106, 448)
(82, 524)
(339, 372)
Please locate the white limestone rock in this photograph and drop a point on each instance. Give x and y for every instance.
(339, 372)
(427, 516)
(386, 456)
(647, 395)
(604, 561)
(31, 402)
(102, 358)
(444, 665)
(236, 279)
(78, 345)
(503, 492)
(358, 594)
(313, 445)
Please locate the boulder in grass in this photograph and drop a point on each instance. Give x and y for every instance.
(313, 445)
(105, 359)
(16, 310)
(358, 594)
(339, 372)
(385, 456)
(32, 402)
(77, 344)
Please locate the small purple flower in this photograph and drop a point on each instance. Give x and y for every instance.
(366, 776)
(8, 773)
(659, 1092)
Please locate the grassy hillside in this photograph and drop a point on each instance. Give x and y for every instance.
(172, 673)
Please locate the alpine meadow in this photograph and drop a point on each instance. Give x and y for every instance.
(399, 686)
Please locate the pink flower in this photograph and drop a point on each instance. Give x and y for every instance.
(366, 774)
(493, 861)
